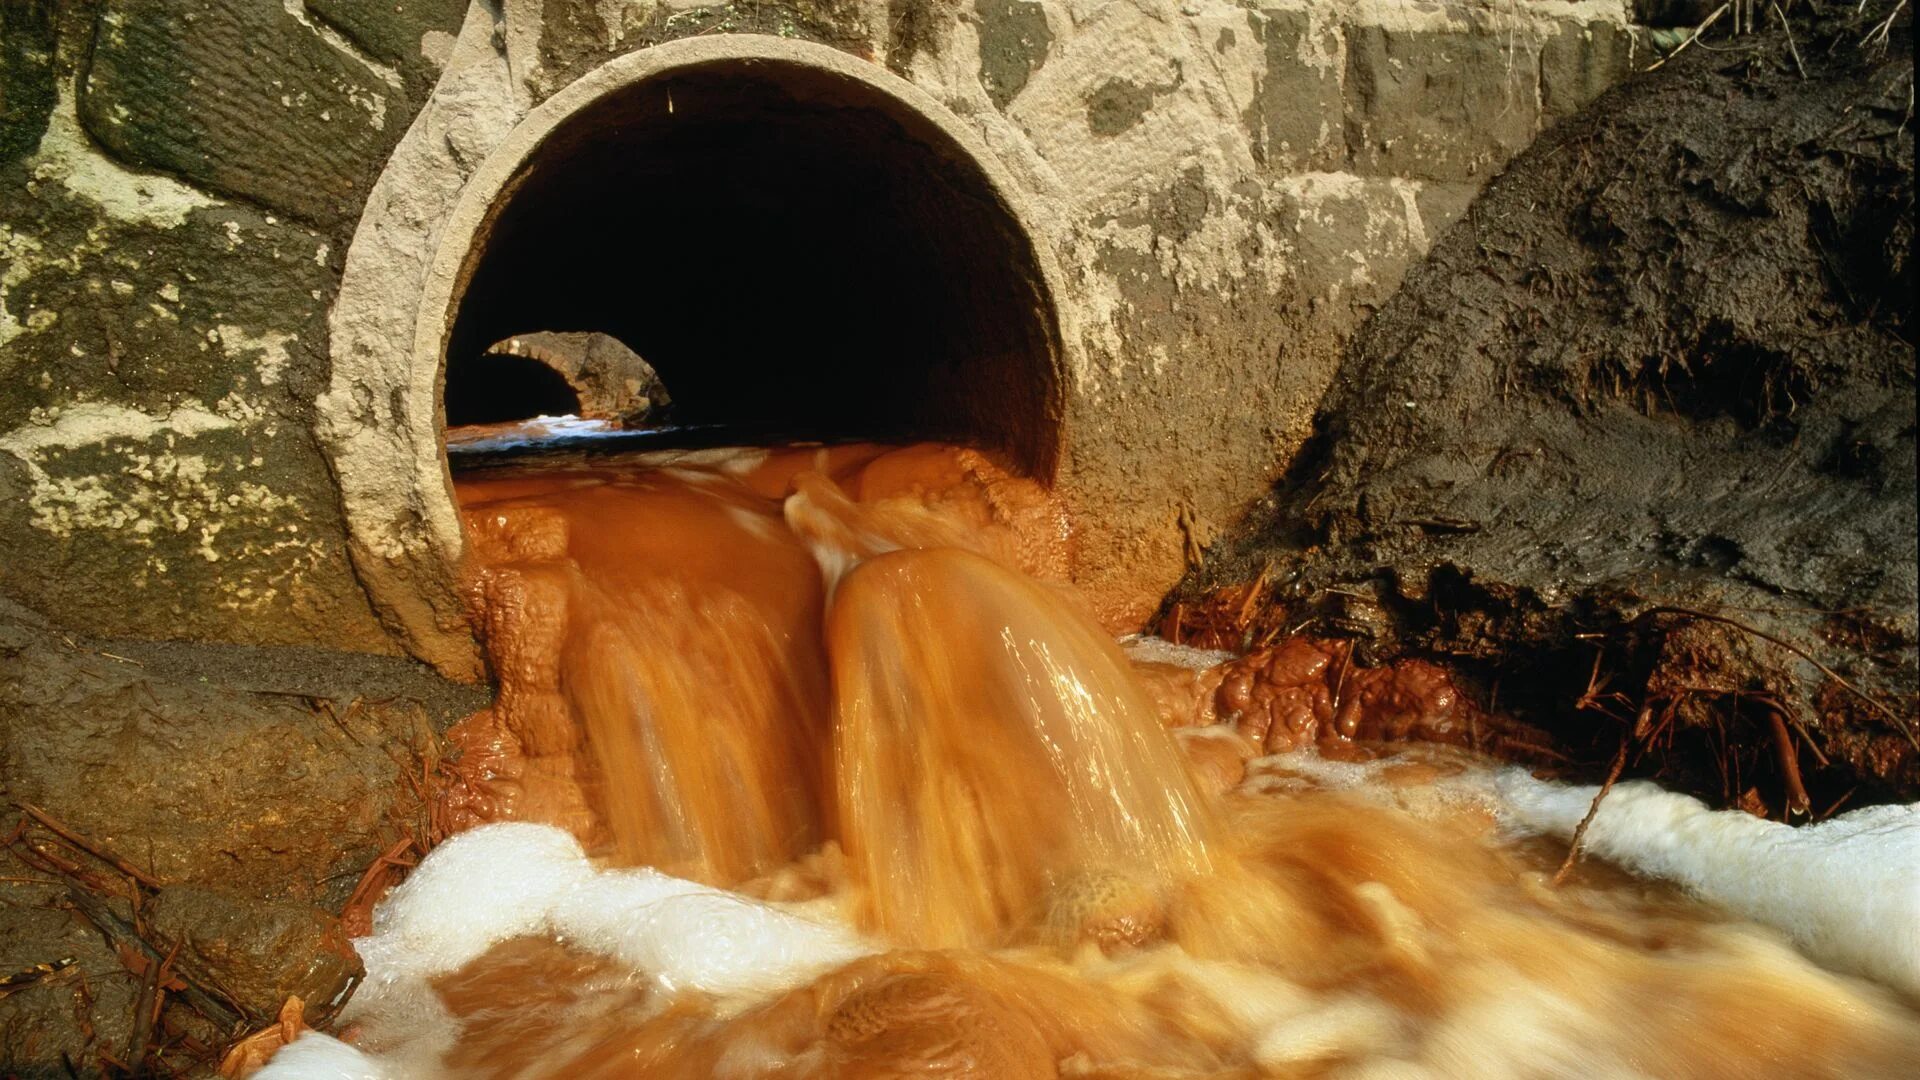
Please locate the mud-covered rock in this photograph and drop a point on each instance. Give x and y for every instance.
(258, 952)
(268, 773)
(1660, 376)
(81, 1001)
(609, 380)
(181, 86)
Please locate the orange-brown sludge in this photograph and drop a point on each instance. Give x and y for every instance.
(658, 640)
(853, 682)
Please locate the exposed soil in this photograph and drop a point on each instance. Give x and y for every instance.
(1634, 447)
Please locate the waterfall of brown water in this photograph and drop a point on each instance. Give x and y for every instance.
(831, 680)
(992, 748)
(673, 619)
(674, 624)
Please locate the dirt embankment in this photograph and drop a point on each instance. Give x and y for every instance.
(1635, 445)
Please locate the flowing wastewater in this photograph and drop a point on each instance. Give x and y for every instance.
(807, 763)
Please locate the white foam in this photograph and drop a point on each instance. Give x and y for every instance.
(1847, 891)
(314, 1056)
(515, 879)
(471, 893)
(688, 937)
(1146, 648)
(539, 431)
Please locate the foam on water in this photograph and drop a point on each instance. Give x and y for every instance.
(1146, 648)
(690, 937)
(314, 1056)
(474, 891)
(1846, 890)
(539, 431)
(518, 879)
(1500, 1014)
(512, 880)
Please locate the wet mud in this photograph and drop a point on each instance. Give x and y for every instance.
(1632, 452)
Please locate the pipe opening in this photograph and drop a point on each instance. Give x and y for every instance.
(497, 387)
(795, 252)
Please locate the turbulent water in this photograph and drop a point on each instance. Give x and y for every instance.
(806, 763)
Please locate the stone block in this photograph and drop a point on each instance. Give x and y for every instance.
(1580, 60)
(1445, 104)
(26, 75)
(1300, 113)
(399, 33)
(1353, 237)
(155, 375)
(1441, 205)
(245, 98)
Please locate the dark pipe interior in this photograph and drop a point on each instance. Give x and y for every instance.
(496, 387)
(792, 251)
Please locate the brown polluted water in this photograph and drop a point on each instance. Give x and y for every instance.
(850, 687)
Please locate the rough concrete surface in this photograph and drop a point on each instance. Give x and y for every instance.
(1227, 190)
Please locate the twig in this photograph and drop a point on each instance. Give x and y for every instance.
(1253, 593)
(1797, 801)
(146, 1008)
(89, 847)
(376, 876)
(1881, 31)
(226, 1015)
(1838, 803)
(1791, 47)
(1580, 830)
(39, 858)
(1695, 36)
(1796, 650)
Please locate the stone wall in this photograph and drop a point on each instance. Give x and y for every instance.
(1227, 189)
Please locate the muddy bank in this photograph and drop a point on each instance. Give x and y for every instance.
(1635, 445)
(223, 801)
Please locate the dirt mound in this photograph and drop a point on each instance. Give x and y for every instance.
(1636, 443)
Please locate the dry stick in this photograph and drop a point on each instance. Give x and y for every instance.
(1797, 801)
(88, 846)
(146, 1009)
(1695, 36)
(1796, 650)
(1580, 830)
(1791, 48)
(1253, 593)
(45, 861)
(226, 1015)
